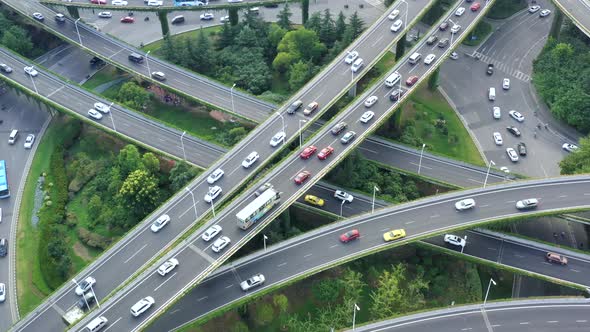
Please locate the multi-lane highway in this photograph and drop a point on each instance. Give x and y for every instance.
(142, 245)
(321, 248)
(578, 11)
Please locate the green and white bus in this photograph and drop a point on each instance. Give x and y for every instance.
(258, 208)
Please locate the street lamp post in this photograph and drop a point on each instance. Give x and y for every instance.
(212, 205)
(488, 291)
(354, 310)
(300, 132)
(147, 62)
(264, 238)
(421, 153)
(112, 119)
(78, 31)
(194, 203)
(407, 9)
(488, 172)
(32, 80)
(95, 297)
(373, 205)
(84, 297)
(283, 122)
(231, 93)
(463, 246)
(341, 206)
(182, 145)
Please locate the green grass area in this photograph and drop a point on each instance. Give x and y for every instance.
(31, 287)
(382, 66)
(155, 47)
(424, 108)
(481, 31)
(506, 8)
(107, 74)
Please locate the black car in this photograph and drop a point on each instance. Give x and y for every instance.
(3, 247)
(87, 298)
(490, 70)
(396, 94)
(513, 130)
(294, 107)
(521, 147)
(95, 61)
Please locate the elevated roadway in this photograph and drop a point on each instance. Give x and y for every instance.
(578, 11)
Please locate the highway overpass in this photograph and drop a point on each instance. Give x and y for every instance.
(578, 11)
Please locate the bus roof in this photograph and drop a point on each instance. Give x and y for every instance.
(3, 182)
(256, 204)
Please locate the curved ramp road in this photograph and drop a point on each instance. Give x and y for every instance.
(578, 11)
(141, 245)
(206, 261)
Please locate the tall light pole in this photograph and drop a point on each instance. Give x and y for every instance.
(194, 203)
(84, 297)
(112, 119)
(421, 153)
(373, 205)
(407, 9)
(78, 31)
(182, 144)
(463, 246)
(300, 132)
(147, 62)
(488, 291)
(212, 205)
(341, 206)
(264, 238)
(32, 80)
(231, 94)
(283, 122)
(488, 172)
(354, 310)
(95, 297)
(452, 34)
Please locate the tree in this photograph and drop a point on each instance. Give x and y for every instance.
(180, 175)
(151, 163)
(577, 162)
(327, 33)
(139, 192)
(275, 35)
(94, 208)
(314, 23)
(433, 79)
(299, 74)
(169, 49)
(133, 96)
(284, 17)
(281, 302)
(264, 314)
(302, 44)
(226, 36)
(340, 26)
(129, 160)
(355, 26)
(17, 39)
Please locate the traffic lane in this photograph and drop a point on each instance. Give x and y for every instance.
(324, 247)
(143, 3)
(579, 10)
(359, 204)
(68, 61)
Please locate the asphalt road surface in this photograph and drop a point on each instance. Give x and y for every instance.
(321, 247)
(287, 170)
(466, 83)
(141, 245)
(562, 315)
(16, 112)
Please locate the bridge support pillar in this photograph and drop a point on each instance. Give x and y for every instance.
(352, 91)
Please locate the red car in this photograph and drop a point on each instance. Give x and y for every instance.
(475, 6)
(308, 152)
(325, 153)
(411, 80)
(301, 177)
(99, 2)
(127, 19)
(350, 235)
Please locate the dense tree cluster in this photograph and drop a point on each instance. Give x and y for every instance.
(577, 162)
(251, 52)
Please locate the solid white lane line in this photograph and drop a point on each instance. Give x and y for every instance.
(308, 255)
(203, 298)
(165, 281)
(282, 264)
(137, 252)
(113, 323)
(230, 286)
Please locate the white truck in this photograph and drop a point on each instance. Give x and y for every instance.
(78, 310)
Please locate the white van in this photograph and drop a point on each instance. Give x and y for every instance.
(356, 65)
(13, 136)
(492, 94)
(97, 324)
(392, 79)
(415, 58)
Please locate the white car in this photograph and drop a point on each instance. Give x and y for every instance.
(516, 115)
(394, 14)
(512, 154)
(211, 232)
(29, 141)
(105, 15)
(534, 9)
(94, 114)
(168, 266)
(455, 28)
(119, 3)
(460, 11)
(429, 58)
(2, 292)
(496, 112)
(367, 116)
(160, 223)
(155, 3)
(278, 138)
(251, 159)
(102, 107)
(207, 16)
(350, 57)
(85, 286)
(544, 12)
(343, 196)
(498, 138)
(454, 56)
(215, 176)
(570, 147)
(223, 19)
(38, 16)
(142, 306)
(254, 281)
(212, 194)
(455, 240)
(396, 25)
(529, 203)
(220, 243)
(234, 1)
(371, 101)
(31, 71)
(465, 204)
(506, 84)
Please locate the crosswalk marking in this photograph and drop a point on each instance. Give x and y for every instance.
(374, 3)
(503, 67)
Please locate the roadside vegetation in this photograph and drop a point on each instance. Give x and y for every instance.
(91, 190)
(506, 8)
(18, 35)
(478, 34)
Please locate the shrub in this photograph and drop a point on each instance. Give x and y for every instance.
(92, 239)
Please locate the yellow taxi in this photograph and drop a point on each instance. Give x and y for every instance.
(394, 235)
(314, 200)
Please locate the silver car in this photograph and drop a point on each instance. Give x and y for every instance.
(168, 266)
(254, 281)
(529, 203)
